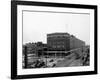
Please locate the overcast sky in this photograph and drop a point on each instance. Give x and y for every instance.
(36, 25)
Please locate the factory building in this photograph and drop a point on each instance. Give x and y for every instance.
(63, 42)
(58, 41)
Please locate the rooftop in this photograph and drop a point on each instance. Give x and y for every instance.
(58, 34)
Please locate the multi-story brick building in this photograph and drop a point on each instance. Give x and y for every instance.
(58, 41)
(63, 42)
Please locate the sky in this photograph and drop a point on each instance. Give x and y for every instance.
(36, 25)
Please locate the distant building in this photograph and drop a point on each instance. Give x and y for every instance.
(63, 42)
(58, 41)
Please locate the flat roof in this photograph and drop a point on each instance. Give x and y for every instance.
(57, 33)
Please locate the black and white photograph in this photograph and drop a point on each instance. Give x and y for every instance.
(54, 39)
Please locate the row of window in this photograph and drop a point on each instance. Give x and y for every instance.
(57, 43)
(58, 46)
